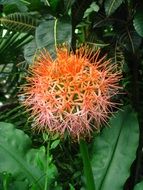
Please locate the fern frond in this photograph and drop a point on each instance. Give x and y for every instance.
(118, 57)
(19, 22)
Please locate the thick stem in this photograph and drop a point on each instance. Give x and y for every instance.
(87, 166)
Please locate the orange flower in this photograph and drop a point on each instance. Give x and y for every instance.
(71, 93)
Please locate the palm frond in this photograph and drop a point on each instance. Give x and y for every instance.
(11, 61)
(118, 57)
(21, 22)
(14, 41)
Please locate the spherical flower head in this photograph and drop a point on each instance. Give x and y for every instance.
(71, 93)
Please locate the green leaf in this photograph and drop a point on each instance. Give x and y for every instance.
(16, 185)
(93, 8)
(139, 186)
(29, 51)
(48, 34)
(7, 182)
(54, 4)
(111, 6)
(19, 159)
(21, 4)
(114, 150)
(54, 144)
(12, 41)
(71, 187)
(138, 22)
(19, 22)
(53, 32)
(68, 4)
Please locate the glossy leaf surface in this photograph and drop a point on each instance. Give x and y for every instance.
(111, 6)
(114, 151)
(22, 161)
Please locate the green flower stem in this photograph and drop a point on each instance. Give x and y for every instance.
(55, 33)
(5, 186)
(47, 166)
(87, 166)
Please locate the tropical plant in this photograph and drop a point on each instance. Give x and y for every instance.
(109, 157)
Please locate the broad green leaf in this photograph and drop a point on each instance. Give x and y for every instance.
(8, 182)
(18, 185)
(131, 41)
(114, 150)
(29, 51)
(18, 158)
(21, 4)
(111, 6)
(139, 186)
(138, 22)
(48, 34)
(53, 32)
